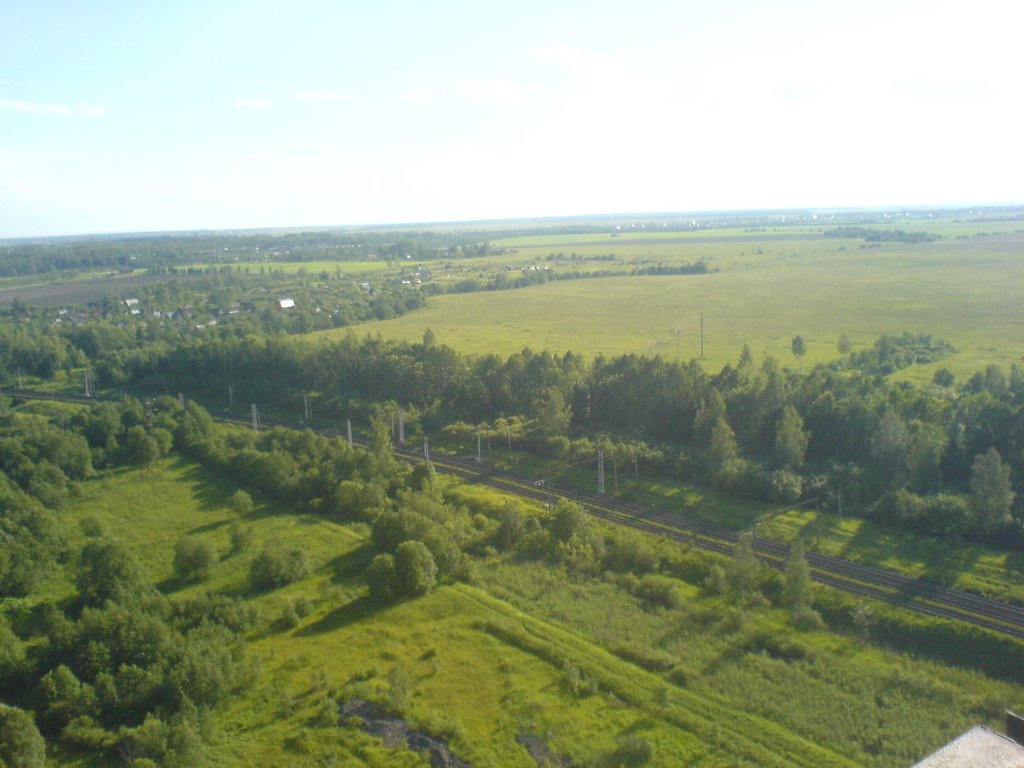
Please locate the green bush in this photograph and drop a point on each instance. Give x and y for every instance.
(380, 576)
(415, 570)
(658, 590)
(21, 745)
(194, 557)
(276, 567)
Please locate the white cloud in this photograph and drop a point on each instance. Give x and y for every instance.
(327, 94)
(92, 110)
(417, 96)
(501, 92)
(31, 108)
(56, 110)
(579, 62)
(258, 102)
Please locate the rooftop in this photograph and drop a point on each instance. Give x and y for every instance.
(980, 746)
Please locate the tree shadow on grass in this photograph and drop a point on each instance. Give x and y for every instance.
(361, 608)
(175, 583)
(351, 564)
(210, 491)
(209, 527)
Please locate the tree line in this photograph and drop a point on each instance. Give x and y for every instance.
(945, 458)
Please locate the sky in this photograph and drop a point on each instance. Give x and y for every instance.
(127, 116)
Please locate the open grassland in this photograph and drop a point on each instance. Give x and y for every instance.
(576, 661)
(967, 291)
(943, 226)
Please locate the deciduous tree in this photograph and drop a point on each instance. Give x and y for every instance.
(991, 492)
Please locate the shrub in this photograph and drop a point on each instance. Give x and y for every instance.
(194, 557)
(241, 538)
(629, 553)
(21, 745)
(658, 590)
(380, 577)
(276, 567)
(632, 751)
(415, 570)
(241, 502)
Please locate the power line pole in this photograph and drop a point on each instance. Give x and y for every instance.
(181, 399)
(600, 472)
(349, 422)
(677, 331)
(426, 448)
(88, 383)
(401, 427)
(305, 406)
(255, 419)
(231, 398)
(479, 458)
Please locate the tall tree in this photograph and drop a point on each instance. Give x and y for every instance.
(790, 439)
(553, 415)
(991, 491)
(744, 569)
(798, 346)
(722, 448)
(797, 577)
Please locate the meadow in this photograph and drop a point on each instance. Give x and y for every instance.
(967, 291)
(528, 649)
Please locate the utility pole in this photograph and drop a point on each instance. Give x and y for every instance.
(181, 399)
(231, 398)
(401, 427)
(349, 421)
(677, 331)
(547, 486)
(600, 472)
(305, 405)
(88, 383)
(479, 458)
(426, 448)
(636, 464)
(255, 419)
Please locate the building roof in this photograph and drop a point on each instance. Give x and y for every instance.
(979, 747)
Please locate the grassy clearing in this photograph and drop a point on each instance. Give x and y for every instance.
(704, 683)
(764, 302)
(872, 706)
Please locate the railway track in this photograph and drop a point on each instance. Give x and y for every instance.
(863, 580)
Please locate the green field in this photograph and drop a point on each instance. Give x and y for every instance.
(529, 649)
(967, 291)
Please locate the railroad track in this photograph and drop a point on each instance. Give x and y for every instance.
(864, 580)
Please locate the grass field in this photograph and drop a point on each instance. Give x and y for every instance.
(577, 662)
(968, 291)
